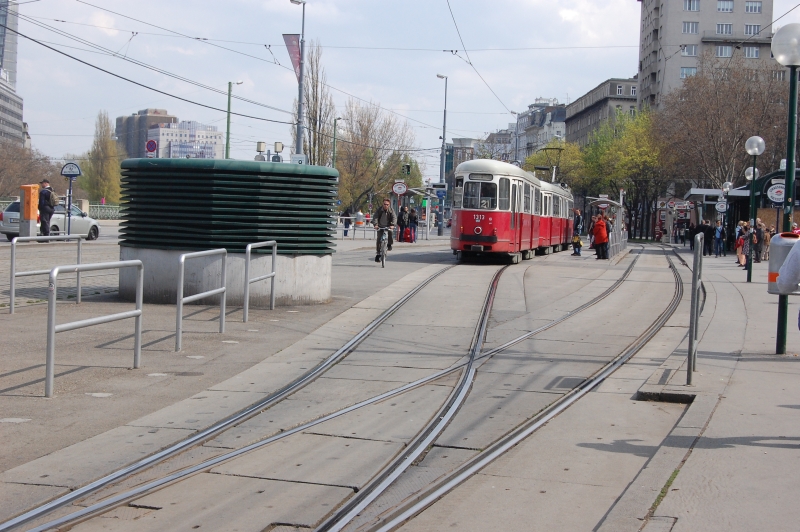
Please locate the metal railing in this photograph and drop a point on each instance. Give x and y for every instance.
(15, 273)
(52, 328)
(248, 281)
(104, 212)
(189, 299)
(694, 312)
(422, 230)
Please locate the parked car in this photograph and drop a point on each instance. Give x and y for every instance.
(81, 223)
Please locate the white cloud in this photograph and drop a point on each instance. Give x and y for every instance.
(106, 21)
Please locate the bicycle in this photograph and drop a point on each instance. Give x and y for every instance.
(383, 235)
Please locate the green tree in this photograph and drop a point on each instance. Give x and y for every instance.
(101, 165)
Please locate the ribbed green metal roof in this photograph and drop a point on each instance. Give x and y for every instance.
(196, 204)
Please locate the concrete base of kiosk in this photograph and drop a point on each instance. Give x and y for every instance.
(300, 279)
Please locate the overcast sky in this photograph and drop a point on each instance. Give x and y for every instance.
(570, 47)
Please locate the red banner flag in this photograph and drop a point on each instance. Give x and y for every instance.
(293, 47)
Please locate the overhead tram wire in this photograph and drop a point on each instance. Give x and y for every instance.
(469, 61)
(739, 45)
(255, 57)
(112, 53)
(333, 47)
(142, 84)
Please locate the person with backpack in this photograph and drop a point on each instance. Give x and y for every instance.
(48, 200)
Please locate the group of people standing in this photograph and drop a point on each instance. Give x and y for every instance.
(715, 238)
(599, 228)
(407, 223)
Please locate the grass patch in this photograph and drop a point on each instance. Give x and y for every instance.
(664, 491)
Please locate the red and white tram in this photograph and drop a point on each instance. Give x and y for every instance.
(498, 208)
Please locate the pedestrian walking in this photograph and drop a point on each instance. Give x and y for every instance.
(758, 240)
(708, 238)
(413, 223)
(47, 203)
(591, 233)
(692, 232)
(402, 223)
(746, 235)
(719, 240)
(601, 238)
(767, 238)
(346, 215)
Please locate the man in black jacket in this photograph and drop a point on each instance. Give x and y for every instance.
(384, 217)
(45, 208)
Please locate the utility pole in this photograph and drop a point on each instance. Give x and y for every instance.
(444, 149)
(335, 129)
(298, 149)
(228, 127)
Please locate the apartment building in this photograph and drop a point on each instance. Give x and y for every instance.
(675, 33)
(585, 115)
(187, 139)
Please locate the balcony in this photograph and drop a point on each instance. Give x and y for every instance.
(737, 37)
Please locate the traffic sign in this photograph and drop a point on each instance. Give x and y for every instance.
(71, 171)
(441, 193)
(722, 206)
(399, 188)
(151, 145)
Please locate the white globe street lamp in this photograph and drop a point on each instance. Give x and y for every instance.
(786, 50)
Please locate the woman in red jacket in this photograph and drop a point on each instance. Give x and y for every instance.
(601, 238)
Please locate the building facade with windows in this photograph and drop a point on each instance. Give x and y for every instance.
(675, 33)
(187, 140)
(12, 128)
(133, 131)
(585, 115)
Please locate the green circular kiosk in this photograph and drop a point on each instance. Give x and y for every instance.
(176, 206)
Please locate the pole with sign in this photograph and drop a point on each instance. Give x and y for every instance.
(151, 147)
(70, 171)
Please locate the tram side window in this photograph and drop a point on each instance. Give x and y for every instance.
(527, 198)
(556, 207)
(537, 201)
(505, 193)
(479, 195)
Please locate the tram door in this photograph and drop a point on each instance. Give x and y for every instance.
(513, 240)
(546, 226)
(526, 217)
(537, 215)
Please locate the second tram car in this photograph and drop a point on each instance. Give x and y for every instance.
(498, 208)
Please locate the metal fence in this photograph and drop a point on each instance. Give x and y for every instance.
(104, 212)
(52, 328)
(189, 299)
(15, 273)
(248, 281)
(368, 231)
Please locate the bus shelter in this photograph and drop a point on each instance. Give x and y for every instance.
(617, 234)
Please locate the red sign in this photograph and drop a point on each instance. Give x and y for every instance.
(151, 146)
(671, 204)
(292, 41)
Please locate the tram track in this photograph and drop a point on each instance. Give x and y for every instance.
(385, 478)
(416, 503)
(224, 424)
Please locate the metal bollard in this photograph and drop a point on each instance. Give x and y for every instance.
(694, 312)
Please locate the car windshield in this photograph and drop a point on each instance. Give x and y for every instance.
(12, 207)
(479, 195)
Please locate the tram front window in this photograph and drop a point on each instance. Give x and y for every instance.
(480, 195)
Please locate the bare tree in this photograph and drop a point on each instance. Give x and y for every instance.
(319, 110)
(704, 124)
(371, 152)
(21, 166)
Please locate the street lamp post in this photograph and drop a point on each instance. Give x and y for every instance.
(786, 50)
(727, 186)
(755, 147)
(335, 129)
(516, 135)
(228, 127)
(298, 149)
(444, 148)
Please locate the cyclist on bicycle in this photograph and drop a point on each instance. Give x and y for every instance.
(384, 217)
